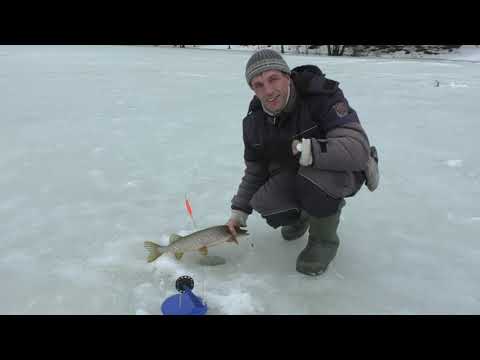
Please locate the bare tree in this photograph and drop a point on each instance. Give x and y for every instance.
(337, 50)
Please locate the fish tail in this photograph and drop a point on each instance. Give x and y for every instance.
(154, 250)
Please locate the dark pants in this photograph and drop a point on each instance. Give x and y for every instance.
(285, 195)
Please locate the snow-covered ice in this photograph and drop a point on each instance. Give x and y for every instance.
(454, 163)
(100, 144)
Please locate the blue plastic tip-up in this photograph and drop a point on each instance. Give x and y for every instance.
(185, 303)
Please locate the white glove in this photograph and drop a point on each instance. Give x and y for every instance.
(305, 147)
(239, 217)
(372, 173)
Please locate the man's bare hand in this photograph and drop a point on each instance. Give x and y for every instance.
(232, 226)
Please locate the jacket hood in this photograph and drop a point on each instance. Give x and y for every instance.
(310, 80)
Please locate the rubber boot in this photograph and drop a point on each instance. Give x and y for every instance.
(322, 245)
(297, 230)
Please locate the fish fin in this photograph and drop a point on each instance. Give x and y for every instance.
(154, 250)
(203, 251)
(178, 255)
(173, 238)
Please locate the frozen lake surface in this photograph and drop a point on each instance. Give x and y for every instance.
(99, 145)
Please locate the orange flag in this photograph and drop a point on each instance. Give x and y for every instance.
(189, 210)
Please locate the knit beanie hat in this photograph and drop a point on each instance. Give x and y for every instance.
(263, 60)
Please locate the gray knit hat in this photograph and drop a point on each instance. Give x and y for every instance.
(263, 60)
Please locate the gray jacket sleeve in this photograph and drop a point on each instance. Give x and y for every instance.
(346, 148)
(256, 174)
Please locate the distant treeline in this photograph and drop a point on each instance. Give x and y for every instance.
(359, 50)
(354, 50)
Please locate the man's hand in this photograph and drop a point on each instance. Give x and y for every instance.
(304, 148)
(237, 220)
(232, 225)
(296, 148)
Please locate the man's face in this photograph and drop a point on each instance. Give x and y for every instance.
(271, 87)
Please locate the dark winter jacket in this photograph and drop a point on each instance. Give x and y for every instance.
(320, 112)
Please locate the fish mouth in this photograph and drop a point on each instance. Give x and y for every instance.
(242, 232)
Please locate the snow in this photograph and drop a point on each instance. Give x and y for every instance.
(99, 145)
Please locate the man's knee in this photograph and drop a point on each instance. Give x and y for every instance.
(314, 200)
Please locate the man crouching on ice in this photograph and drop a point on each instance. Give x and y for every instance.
(305, 151)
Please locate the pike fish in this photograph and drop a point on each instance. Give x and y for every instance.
(198, 241)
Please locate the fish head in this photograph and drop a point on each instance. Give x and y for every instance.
(241, 233)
